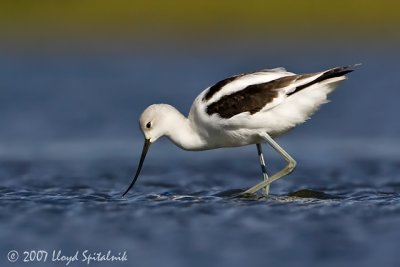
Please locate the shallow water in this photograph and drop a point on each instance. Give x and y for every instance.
(182, 220)
(71, 143)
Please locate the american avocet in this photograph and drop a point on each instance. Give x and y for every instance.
(242, 110)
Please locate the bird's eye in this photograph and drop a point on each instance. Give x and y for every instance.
(148, 125)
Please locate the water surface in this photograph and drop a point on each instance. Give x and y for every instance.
(69, 145)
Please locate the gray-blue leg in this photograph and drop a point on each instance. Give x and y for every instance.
(285, 171)
(263, 168)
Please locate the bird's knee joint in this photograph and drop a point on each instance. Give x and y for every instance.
(292, 164)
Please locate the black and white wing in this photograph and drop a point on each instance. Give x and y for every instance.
(259, 91)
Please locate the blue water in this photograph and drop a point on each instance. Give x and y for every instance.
(69, 143)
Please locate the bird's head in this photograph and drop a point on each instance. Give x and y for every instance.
(154, 123)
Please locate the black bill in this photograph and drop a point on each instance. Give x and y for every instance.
(146, 146)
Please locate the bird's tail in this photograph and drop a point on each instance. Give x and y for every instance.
(328, 76)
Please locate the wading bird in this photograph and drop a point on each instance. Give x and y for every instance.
(241, 110)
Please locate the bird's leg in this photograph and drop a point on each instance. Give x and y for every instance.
(288, 169)
(263, 168)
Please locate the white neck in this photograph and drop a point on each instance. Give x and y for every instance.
(181, 132)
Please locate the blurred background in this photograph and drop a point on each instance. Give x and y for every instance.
(76, 75)
(74, 70)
